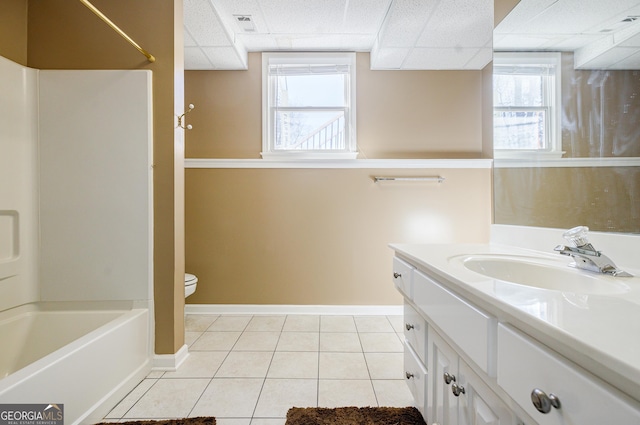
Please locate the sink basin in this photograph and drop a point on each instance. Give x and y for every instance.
(542, 275)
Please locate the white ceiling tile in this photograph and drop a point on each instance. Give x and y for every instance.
(304, 17)
(194, 58)
(609, 59)
(203, 24)
(481, 59)
(226, 58)
(630, 62)
(188, 40)
(388, 58)
(633, 41)
(405, 22)
(258, 42)
(436, 59)
(465, 23)
(365, 16)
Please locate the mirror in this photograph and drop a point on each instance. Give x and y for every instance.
(594, 177)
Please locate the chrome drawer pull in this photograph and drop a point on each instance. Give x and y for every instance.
(457, 389)
(396, 275)
(408, 375)
(408, 326)
(449, 378)
(543, 402)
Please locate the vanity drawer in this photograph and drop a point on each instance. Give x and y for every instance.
(415, 331)
(403, 277)
(473, 330)
(526, 365)
(416, 378)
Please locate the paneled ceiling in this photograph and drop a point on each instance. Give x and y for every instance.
(604, 34)
(400, 34)
(411, 34)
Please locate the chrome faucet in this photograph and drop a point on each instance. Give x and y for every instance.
(585, 256)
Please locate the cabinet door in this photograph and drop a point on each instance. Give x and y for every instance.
(442, 407)
(477, 403)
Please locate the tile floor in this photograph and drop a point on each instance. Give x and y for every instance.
(249, 370)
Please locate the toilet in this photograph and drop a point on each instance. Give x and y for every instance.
(190, 283)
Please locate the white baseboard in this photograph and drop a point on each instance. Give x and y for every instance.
(350, 310)
(170, 362)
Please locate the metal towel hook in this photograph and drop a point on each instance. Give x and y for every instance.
(181, 118)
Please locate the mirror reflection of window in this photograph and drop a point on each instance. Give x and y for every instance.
(526, 105)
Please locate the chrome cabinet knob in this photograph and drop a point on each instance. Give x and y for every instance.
(457, 389)
(408, 375)
(396, 275)
(448, 378)
(543, 402)
(409, 326)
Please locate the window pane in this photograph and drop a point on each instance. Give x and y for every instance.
(309, 130)
(519, 130)
(517, 90)
(310, 90)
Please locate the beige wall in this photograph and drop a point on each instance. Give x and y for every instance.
(13, 30)
(64, 34)
(320, 236)
(400, 114)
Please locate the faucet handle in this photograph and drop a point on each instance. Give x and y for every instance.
(577, 236)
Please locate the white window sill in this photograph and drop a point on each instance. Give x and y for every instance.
(527, 155)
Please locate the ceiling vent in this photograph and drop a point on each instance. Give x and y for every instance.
(245, 22)
(622, 23)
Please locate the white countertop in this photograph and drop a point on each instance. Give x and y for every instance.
(601, 333)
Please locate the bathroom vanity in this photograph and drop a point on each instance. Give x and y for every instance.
(502, 335)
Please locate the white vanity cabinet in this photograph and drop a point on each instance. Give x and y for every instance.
(445, 387)
(457, 395)
(479, 369)
(564, 393)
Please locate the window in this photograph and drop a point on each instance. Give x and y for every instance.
(526, 105)
(308, 105)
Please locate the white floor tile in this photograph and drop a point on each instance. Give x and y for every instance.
(127, 403)
(397, 322)
(230, 323)
(198, 322)
(234, 398)
(268, 421)
(257, 341)
(215, 341)
(337, 324)
(339, 393)
(373, 324)
(298, 341)
(199, 364)
(376, 342)
(296, 364)
(392, 393)
(266, 323)
(385, 365)
(191, 337)
(279, 395)
(330, 361)
(340, 342)
(343, 366)
(245, 364)
(168, 398)
(302, 323)
(233, 421)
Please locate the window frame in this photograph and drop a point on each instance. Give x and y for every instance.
(552, 103)
(268, 110)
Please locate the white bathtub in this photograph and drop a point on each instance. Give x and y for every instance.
(86, 357)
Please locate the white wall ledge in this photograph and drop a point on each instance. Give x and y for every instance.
(568, 162)
(355, 163)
